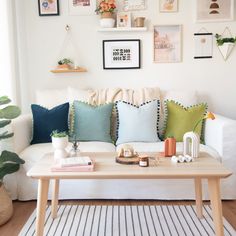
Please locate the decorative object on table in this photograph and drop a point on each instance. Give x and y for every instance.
(128, 160)
(106, 9)
(132, 5)
(75, 152)
(215, 11)
(82, 7)
(170, 146)
(48, 7)
(123, 20)
(137, 123)
(126, 150)
(46, 120)
(68, 64)
(185, 117)
(139, 21)
(225, 43)
(182, 159)
(167, 43)
(59, 142)
(168, 6)
(191, 140)
(9, 162)
(121, 54)
(203, 41)
(143, 161)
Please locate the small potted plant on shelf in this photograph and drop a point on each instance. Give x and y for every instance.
(65, 64)
(59, 142)
(9, 161)
(106, 8)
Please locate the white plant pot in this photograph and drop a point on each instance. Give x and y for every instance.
(226, 49)
(59, 145)
(107, 22)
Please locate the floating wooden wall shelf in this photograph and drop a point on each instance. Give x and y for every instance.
(69, 71)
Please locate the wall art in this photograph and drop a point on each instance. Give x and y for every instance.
(214, 10)
(167, 43)
(131, 5)
(82, 7)
(168, 5)
(203, 45)
(123, 19)
(121, 54)
(48, 7)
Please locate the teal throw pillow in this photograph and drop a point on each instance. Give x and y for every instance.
(137, 124)
(92, 123)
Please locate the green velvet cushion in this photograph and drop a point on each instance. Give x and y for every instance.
(181, 120)
(92, 123)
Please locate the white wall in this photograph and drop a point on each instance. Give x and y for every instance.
(213, 79)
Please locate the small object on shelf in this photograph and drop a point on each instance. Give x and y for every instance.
(170, 147)
(139, 22)
(65, 64)
(123, 20)
(143, 161)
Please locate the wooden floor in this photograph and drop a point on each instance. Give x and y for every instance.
(22, 211)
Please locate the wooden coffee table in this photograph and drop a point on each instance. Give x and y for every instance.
(205, 167)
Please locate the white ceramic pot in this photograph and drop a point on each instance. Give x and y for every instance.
(191, 144)
(59, 145)
(107, 22)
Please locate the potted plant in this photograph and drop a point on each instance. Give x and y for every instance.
(106, 9)
(225, 45)
(9, 161)
(59, 142)
(65, 64)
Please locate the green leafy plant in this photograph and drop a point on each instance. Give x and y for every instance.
(220, 40)
(65, 61)
(57, 134)
(9, 161)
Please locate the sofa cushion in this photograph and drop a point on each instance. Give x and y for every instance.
(45, 121)
(137, 123)
(181, 120)
(92, 123)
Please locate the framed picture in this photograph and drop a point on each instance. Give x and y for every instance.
(82, 7)
(203, 45)
(123, 19)
(121, 54)
(131, 5)
(214, 10)
(168, 5)
(48, 7)
(167, 43)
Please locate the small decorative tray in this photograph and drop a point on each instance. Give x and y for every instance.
(128, 160)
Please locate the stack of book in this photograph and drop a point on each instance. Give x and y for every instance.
(74, 164)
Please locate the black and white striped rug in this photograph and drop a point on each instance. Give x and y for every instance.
(126, 220)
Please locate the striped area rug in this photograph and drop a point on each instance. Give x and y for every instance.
(127, 220)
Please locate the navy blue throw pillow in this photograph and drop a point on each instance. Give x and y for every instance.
(45, 121)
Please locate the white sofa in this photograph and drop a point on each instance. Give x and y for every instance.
(219, 137)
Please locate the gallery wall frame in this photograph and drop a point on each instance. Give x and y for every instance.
(168, 6)
(82, 7)
(121, 54)
(133, 5)
(48, 7)
(203, 45)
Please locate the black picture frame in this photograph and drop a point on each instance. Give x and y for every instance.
(41, 13)
(107, 57)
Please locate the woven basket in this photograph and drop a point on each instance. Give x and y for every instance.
(6, 208)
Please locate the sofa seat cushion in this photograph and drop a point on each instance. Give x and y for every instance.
(159, 147)
(35, 152)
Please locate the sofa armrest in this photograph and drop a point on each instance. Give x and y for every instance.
(22, 128)
(220, 135)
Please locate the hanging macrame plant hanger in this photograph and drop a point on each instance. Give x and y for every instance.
(69, 41)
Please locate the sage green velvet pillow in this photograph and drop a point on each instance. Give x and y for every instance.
(181, 120)
(92, 123)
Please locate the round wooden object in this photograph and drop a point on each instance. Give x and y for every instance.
(128, 160)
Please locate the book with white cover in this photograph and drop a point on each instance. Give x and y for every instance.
(75, 161)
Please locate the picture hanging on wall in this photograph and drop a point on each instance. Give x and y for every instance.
(131, 5)
(167, 43)
(216, 10)
(121, 54)
(203, 45)
(48, 7)
(82, 7)
(168, 5)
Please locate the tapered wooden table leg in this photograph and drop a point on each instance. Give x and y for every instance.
(41, 205)
(55, 193)
(198, 194)
(216, 205)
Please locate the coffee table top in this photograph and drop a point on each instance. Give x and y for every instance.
(106, 168)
